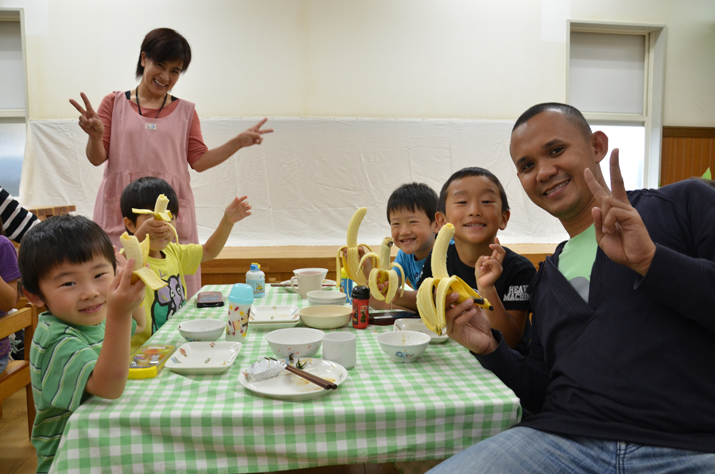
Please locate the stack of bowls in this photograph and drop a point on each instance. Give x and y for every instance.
(319, 297)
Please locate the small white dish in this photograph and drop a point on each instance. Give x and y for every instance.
(202, 329)
(405, 324)
(297, 342)
(288, 386)
(203, 357)
(326, 284)
(403, 346)
(326, 316)
(273, 317)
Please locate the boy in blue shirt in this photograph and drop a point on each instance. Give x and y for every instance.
(67, 264)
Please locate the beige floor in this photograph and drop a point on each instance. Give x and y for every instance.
(17, 455)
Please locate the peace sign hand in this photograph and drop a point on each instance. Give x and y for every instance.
(254, 135)
(620, 231)
(89, 120)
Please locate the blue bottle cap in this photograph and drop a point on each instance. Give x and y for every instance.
(254, 267)
(241, 293)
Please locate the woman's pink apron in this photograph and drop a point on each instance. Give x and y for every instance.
(147, 146)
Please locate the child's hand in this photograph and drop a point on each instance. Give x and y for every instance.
(488, 268)
(124, 296)
(254, 135)
(121, 260)
(156, 230)
(237, 210)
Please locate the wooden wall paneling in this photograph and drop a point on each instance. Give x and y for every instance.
(687, 152)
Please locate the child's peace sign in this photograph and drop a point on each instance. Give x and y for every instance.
(620, 231)
(89, 120)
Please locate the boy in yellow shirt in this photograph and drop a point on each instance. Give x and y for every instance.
(169, 260)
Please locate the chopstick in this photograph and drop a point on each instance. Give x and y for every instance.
(310, 377)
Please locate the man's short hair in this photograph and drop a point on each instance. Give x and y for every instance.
(572, 114)
(142, 193)
(472, 171)
(413, 197)
(60, 239)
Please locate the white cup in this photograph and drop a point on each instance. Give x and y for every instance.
(308, 279)
(340, 347)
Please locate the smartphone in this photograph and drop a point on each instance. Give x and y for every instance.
(209, 299)
(388, 316)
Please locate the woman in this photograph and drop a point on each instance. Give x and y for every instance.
(148, 132)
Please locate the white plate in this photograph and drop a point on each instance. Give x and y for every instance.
(273, 317)
(288, 386)
(417, 325)
(203, 357)
(327, 284)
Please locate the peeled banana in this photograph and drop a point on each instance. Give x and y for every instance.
(140, 253)
(160, 212)
(351, 261)
(382, 271)
(432, 313)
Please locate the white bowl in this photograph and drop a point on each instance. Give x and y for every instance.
(318, 297)
(299, 342)
(326, 316)
(202, 329)
(403, 346)
(408, 324)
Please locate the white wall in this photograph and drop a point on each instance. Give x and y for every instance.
(369, 58)
(448, 60)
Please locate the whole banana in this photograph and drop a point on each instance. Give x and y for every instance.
(351, 261)
(160, 212)
(382, 271)
(140, 253)
(432, 313)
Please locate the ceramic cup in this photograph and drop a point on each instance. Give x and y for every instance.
(340, 347)
(308, 279)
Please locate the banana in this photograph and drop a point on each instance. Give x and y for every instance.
(382, 271)
(351, 261)
(140, 253)
(431, 311)
(160, 212)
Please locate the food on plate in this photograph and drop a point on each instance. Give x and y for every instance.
(431, 311)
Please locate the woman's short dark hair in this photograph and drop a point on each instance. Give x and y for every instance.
(162, 45)
(472, 171)
(142, 194)
(413, 197)
(60, 239)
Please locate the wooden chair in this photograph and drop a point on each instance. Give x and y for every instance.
(17, 374)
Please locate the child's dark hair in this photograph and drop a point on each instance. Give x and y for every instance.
(472, 171)
(142, 193)
(413, 197)
(59, 239)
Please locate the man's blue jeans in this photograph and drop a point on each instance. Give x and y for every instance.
(524, 450)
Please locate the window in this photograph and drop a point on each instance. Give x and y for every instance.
(615, 77)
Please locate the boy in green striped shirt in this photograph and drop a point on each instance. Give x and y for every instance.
(67, 264)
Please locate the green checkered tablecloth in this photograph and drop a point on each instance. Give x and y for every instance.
(384, 412)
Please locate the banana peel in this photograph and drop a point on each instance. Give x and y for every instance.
(351, 261)
(140, 254)
(433, 292)
(383, 271)
(160, 213)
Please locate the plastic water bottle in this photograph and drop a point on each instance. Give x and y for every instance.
(239, 308)
(257, 279)
(346, 285)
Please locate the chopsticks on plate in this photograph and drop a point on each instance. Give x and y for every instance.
(309, 377)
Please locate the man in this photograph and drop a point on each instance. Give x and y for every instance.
(621, 369)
